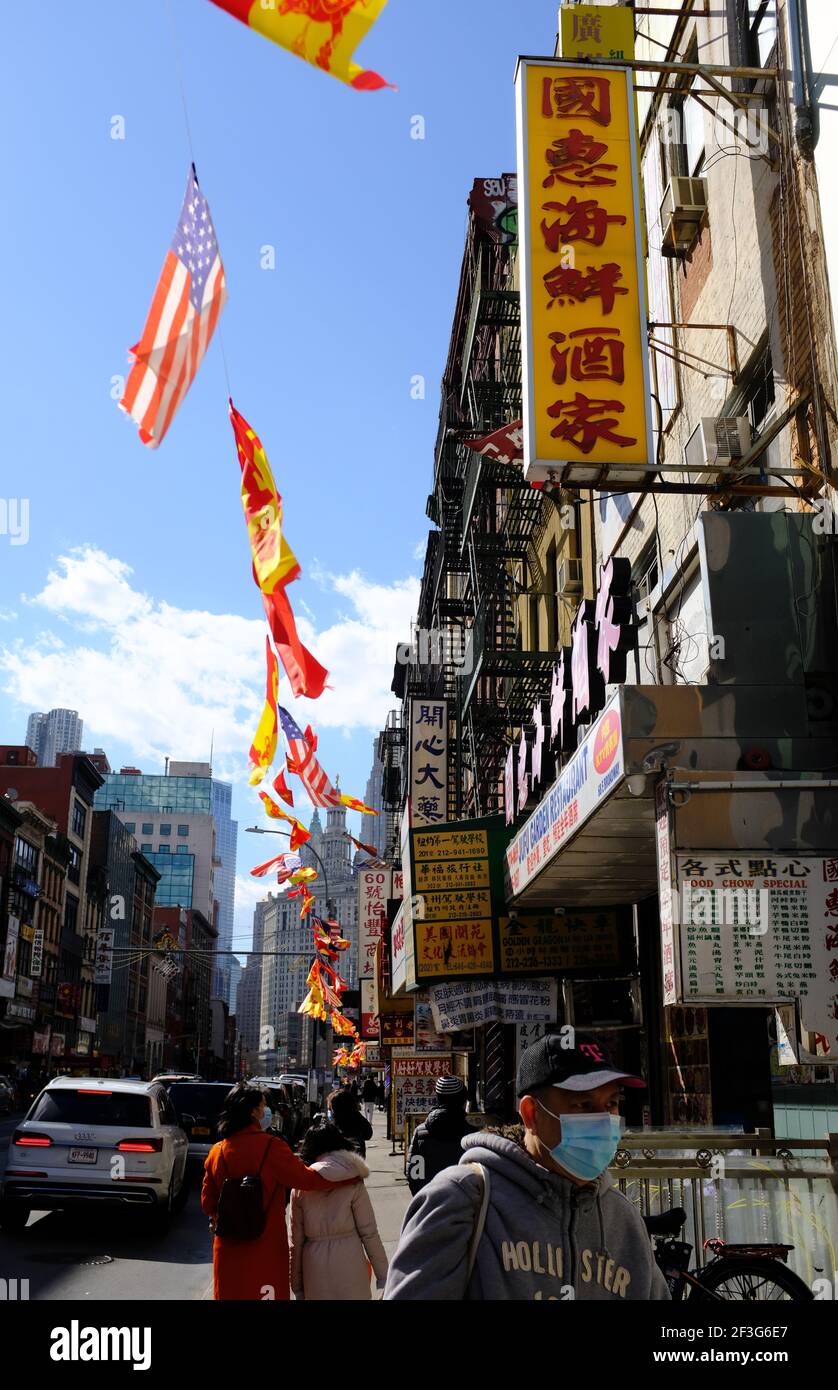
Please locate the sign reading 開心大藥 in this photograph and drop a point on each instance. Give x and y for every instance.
(758, 927)
(428, 762)
(588, 778)
(587, 402)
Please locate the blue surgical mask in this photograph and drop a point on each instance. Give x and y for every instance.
(588, 1143)
(266, 1117)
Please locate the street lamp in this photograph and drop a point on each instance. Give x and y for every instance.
(286, 835)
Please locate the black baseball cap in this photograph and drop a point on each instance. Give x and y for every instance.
(583, 1067)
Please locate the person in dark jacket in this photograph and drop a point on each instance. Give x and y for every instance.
(436, 1144)
(369, 1091)
(346, 1114)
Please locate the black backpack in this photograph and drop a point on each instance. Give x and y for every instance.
(241, 1213)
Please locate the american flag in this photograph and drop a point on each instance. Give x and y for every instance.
(303, 762)
(189, 297)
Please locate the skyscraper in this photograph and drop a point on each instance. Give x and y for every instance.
(374, 828)
(49, 735)
(226, 833)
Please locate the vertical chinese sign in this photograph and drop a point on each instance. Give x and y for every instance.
(374, 887)
(587, 407)
(428, 762)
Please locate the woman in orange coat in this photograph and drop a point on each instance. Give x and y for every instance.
(253, 1269)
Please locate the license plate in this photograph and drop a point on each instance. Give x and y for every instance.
(199, 1129)
(83, 1155)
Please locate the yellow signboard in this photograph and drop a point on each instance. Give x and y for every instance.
(462, 947)
(467, 902)
(587, 404)
(444, 874)
(597, 31)
(450, 844)
(543, 942)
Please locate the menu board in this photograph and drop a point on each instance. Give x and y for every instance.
(762, 927)
(543, 941)
(452, 915)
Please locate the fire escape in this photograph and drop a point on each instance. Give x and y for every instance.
(487, 519)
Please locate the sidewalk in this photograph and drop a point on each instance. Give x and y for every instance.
(386, 1184)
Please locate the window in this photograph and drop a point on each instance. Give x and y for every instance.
(684, 635)
(758, 31)
(131, 826)
(683, 147)
(147, 849)
(148, 828)
(74, 866)
(93, 1108)
(183, 830)
(183, 849)
(164, 849)
(71, 913)
(645, 579)
(79, 819)
(26, 856)
(165, 829)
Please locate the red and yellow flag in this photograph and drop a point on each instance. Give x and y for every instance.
(323, 32)
(299, 834)
(303, 875)
(355, 805)
(282, 789)
(274, 564)
(263, 747)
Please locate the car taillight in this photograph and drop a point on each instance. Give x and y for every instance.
(140, 1146)
(31, 1141)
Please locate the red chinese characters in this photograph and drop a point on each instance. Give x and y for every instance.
(584, 422)
(577, 96)
(595, 354)
(575, 159)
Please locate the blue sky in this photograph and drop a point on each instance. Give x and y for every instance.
(132, 599)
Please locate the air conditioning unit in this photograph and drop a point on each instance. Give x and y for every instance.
(570, 577)
(682, 213)
(717, 442)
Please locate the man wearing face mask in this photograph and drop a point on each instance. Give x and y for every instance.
(530, 1211)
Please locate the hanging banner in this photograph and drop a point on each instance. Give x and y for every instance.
(587, 404)
(10, 953)
(36, 964)
(369, 1017)
(428, 750)
(103, 965)
(468, 1005)
(374, 890)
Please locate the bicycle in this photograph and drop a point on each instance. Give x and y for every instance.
(737, 1273)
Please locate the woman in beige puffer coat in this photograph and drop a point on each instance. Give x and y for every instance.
(334, 1236)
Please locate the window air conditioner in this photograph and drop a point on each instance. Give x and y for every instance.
(717, 442)
(682, 213)
(570, 576)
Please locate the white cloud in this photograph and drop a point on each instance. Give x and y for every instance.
(167, 680)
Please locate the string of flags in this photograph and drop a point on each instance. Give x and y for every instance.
(185, 308)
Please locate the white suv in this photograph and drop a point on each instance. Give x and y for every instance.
(91, 1140)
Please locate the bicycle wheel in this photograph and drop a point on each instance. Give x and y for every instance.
(753, 1281)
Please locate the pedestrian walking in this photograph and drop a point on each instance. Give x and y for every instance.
(345, 1112)
(436, 1143)
(369, 1092)
(530, 1211)
(335, 1243)
(245, 1267)
(382, 1096)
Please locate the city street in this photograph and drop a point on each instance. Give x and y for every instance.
(101, 1256)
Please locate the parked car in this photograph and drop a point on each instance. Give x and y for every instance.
(62, 1154)
(198, 1105)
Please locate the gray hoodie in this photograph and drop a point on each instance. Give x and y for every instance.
(545, 1237)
